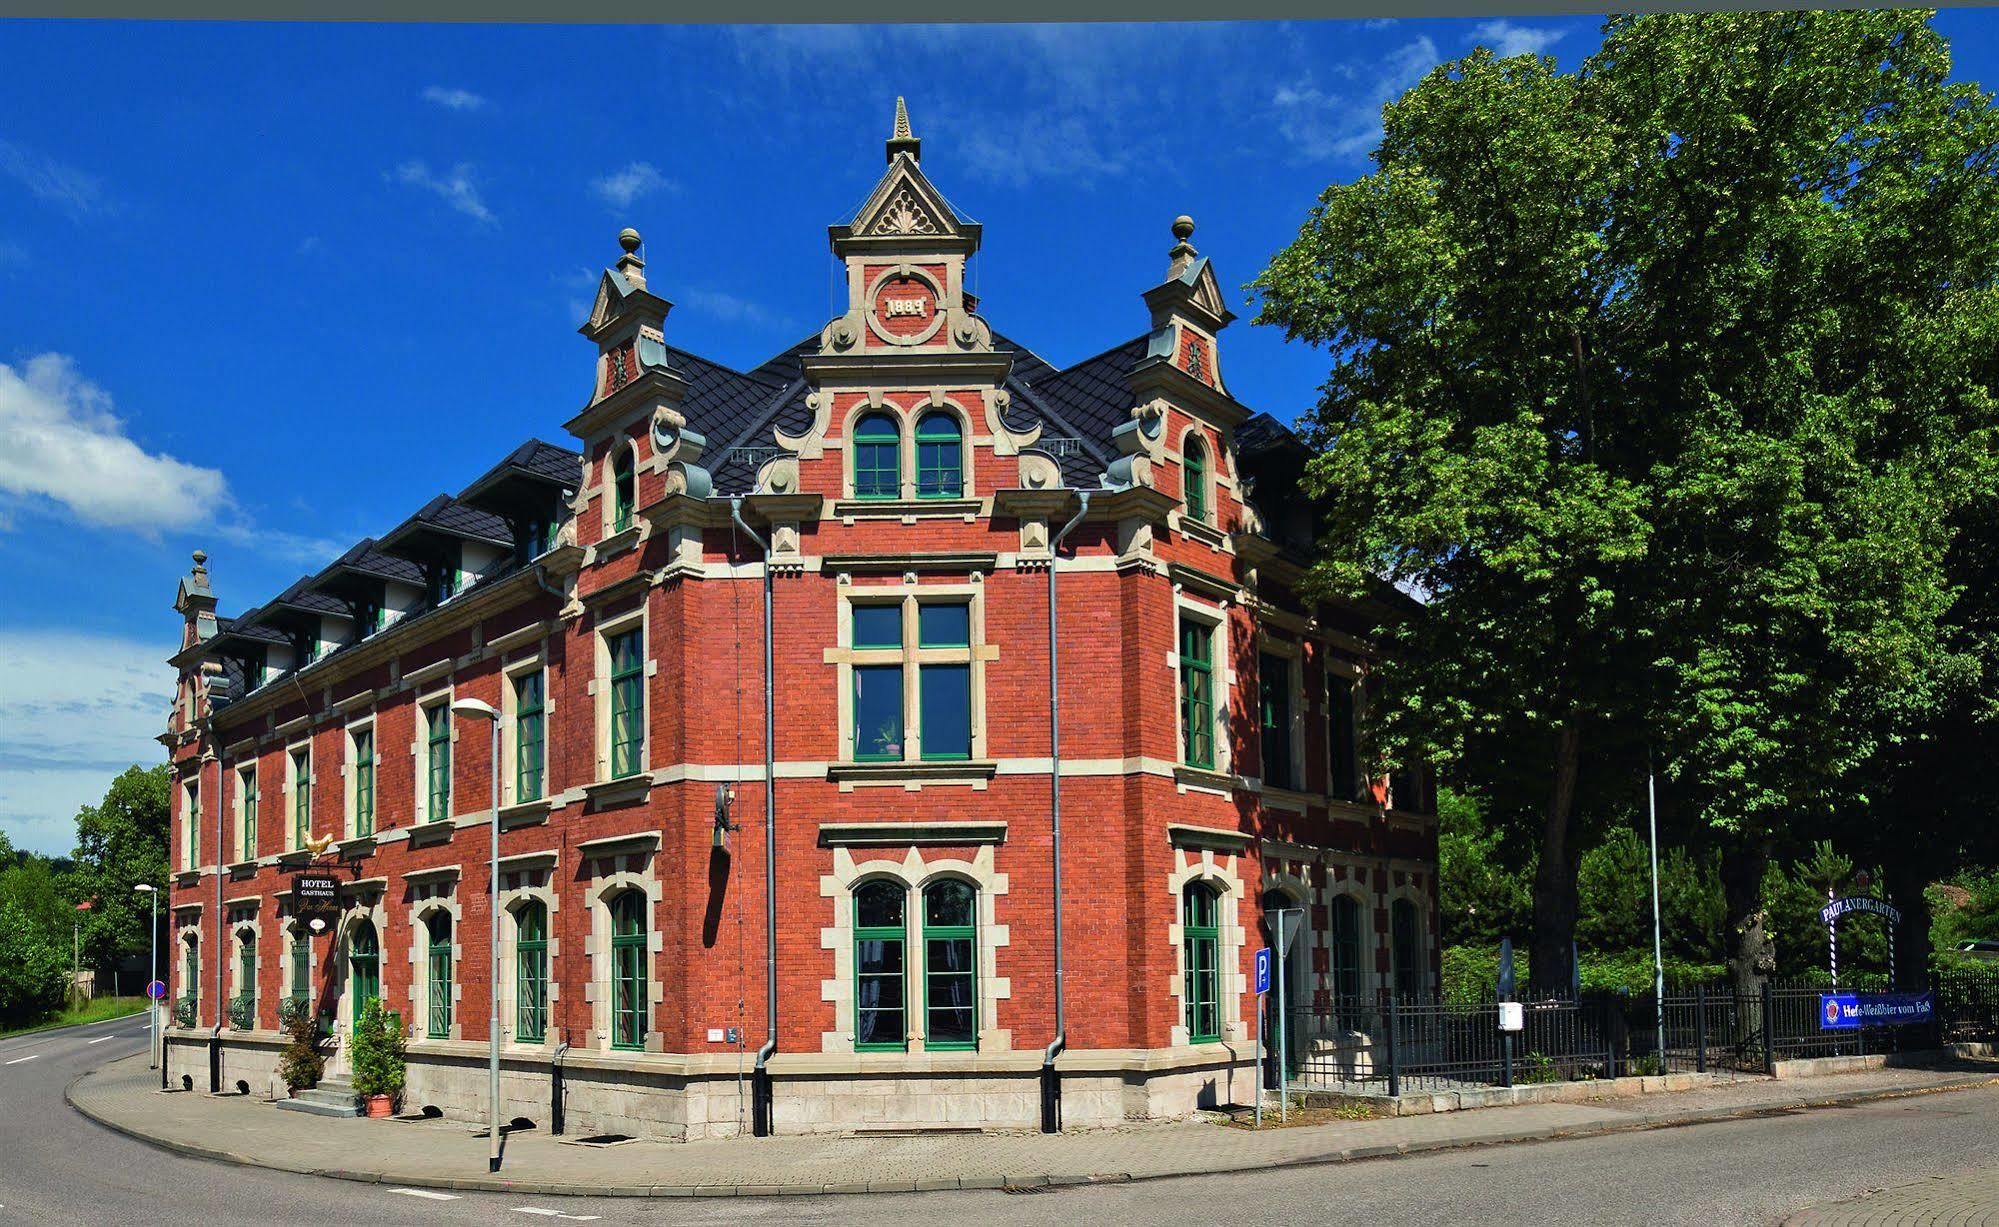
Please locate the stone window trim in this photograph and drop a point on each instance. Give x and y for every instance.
(605, 884)
(510, 677)
(599, 688)
(907, 418)
(187, 938)
(190, 845)
(914, 871)
(622, 444)
(910, 594)
(1215, 615)
(1419, 899)
(245, 926)
(1220, 872)
(248, 799)
(375, 911)
(519, 887)
(1352, 674)
(1371, 939)
(296, 932)
(433, 897)
(293, 827)
(426, 703)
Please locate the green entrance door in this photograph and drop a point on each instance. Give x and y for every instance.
(364, 967)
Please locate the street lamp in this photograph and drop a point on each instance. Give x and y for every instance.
(153, 961)
(476, 710)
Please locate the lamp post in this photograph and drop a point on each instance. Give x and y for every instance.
(484, 711)
(153, 963)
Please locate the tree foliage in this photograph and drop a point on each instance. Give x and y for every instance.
(1664, 382)
(120, 843)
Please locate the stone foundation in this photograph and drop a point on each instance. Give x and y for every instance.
(693, 1098)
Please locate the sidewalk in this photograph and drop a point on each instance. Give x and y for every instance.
(444, 1154)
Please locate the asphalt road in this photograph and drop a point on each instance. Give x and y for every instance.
(57, 1167)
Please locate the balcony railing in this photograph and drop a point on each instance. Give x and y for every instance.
(185, 1011)
(243, 1011)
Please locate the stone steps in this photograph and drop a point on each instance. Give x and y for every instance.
(332, 1097)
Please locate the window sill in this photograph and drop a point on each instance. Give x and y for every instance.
(435, 831)
(295, 858)
(1205, 777)
(618, 542)
(905, 508)
(1202, 531)
(357, 847)
(913, 775)
(524, 813)
(242, 869)
(619, 791)
(187, 877)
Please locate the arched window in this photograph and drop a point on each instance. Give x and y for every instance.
(1194, 475)
(190, 982)
(950, 965)
(243, 1011)
(301, 994)
(1200, 930)
(877, 457)
(437, 980)
(623, 491)
(1406, 947)
(364, 967)
(531, 972)
(628, 971)
(1346, 948)
(879, 936)
(940, 456)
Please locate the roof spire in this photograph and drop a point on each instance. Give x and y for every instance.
(631, 264)
(1183, 252)
(903, 141)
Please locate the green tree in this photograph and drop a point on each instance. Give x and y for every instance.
(120, 842)
(33, 970)
(1662, 381)
(1482, 897)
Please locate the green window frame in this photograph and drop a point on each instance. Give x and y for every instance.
(940, 456)
(1405, 948)
(531, 972)
(628, 972)
(1201, 962)
(628, 736)
(529, 733)
(1194, 471)
(881, 935)
(885, 718)
(437, 982)
(1197, 693)
(437, 761)
(301, 797)
(364, 782)
(247, 781)
(364, 967)
(950, 966)
(190, 983)
(1273, 676)
(192, 799)
(877, 457)
(623, 489)
(944, 688)
(1342, 737)
(243, 1011)
(301, 993)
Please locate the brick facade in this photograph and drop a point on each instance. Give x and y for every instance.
(1139, 822)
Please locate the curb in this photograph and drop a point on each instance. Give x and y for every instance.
(1351, 1154)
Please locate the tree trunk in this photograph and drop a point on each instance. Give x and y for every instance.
(1550, 967)
(1752, 954)
(1907, 875)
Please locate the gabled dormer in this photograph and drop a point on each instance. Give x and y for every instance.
(1188, 313)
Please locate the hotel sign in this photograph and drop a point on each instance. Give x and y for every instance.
(315, 892)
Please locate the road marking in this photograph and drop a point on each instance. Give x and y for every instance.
(430, 1193)
(547, 1213)
(17, 1060)
(100, 1039)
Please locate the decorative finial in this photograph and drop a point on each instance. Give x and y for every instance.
(1182, 256)
(200, 558)
(629, 264)
(1183, 227)
(903, 141)
(628, 239)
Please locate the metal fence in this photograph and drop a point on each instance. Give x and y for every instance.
(1396, 1043)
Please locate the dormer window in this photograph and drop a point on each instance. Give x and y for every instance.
(443, 582)
(877, 457)
(1194, 475)
(940, 456)
(367, 618)
(623, 490)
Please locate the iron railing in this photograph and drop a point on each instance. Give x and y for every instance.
(243, 1011)
(1399, 1043)
(185, 1011)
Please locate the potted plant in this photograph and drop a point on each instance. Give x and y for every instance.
(301, 1064)
(378, 1058)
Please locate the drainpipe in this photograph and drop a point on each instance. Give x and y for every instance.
(1051, 1082)
(541, 578)
(215, 955)
(761, 1096)
(555, 1088)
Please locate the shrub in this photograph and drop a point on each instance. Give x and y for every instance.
(301, 1064)
(33, 971)
(378, 1051)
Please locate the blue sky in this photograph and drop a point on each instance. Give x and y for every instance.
(264, 289)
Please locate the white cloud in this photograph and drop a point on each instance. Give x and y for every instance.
(73, 191)
(453, 99)
(1319, 124)
(731, 308)
(80, 708)
(455, 189)
(1506, 38)
(60, 441)
(620, 188)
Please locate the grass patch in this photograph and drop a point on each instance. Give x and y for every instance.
(96, 1010)
(1320, 1113)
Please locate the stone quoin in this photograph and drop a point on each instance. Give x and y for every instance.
(900, 480)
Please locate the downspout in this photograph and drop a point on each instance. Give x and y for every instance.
(1051, 1082)
(762, 1099)
(215, 956)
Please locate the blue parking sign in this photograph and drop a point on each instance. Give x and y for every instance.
(1263, 971)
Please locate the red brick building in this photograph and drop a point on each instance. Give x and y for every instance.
(893, 484)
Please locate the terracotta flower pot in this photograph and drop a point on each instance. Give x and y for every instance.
(381, 1107)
